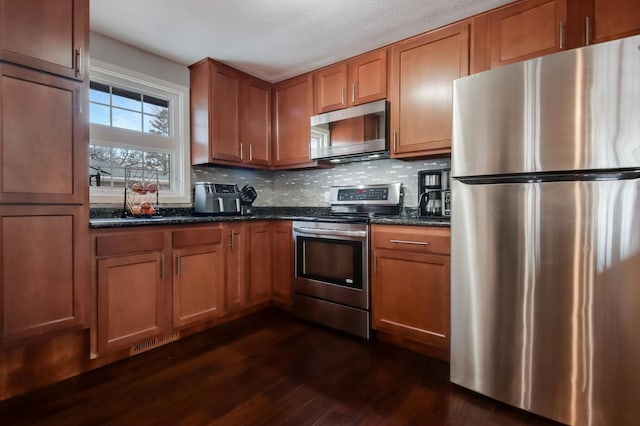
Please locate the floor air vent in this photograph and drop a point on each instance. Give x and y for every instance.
(155, 342)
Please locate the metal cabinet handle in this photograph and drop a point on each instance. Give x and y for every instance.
(353, 93)
(162, 265)
(250, 153)
(415, 243)
(587, 31)
(375, 263)
(241, 151)
(178, 264)
(78, 64)
(561, 36)
(395, 141)
(342, 96)
(79, 101)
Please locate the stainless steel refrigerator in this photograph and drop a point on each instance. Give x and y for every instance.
(545, 260)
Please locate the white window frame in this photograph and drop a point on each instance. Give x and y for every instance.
(178, 96)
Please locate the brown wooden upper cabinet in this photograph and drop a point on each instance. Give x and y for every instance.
(356, 81)
(51, 36)
(596, 21)
(43, 138)
(230, 116)
(526, 30)
(422, 72)
(292, 110)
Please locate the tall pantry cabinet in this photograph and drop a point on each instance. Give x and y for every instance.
(43, 166)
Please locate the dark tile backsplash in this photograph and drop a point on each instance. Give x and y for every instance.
(306, 188)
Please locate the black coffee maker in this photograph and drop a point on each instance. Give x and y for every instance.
(433, 185)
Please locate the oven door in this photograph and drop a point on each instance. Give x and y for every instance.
(331, 262)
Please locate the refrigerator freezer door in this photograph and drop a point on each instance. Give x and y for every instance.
(545, 293)
(573, 110)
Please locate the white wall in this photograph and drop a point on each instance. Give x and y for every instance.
(130, 57)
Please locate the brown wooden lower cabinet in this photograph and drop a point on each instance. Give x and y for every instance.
(130, 285)
(130, 299)
(150, 283)
(198, 275)
(43, 270)
(260, 264)
(282, 255)
(235, 266)
(410, 285)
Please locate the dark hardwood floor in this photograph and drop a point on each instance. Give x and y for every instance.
(270, 369)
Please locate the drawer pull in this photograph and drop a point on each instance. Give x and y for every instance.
(415, 243)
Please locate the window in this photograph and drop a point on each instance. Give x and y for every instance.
(125, 109)
(136, 121)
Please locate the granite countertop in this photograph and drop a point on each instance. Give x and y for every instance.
(186, 217)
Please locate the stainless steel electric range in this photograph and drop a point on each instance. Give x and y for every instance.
(331, 283)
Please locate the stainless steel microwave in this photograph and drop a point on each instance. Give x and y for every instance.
(350, 134)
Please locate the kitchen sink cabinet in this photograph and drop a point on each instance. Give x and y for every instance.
(43, 270)
(198, 275)
(51, 36)
(410, 286)
(426, 65)
(131, 283)
(282, 255)
(230, 116)
(43, 137)
(292, 110)
(260, 266)
(235, 243)
(356, 81)
(149, 283)
(526, 30)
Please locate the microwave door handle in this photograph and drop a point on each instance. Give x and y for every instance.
(220, 204)
(330, 232)
(237, 204)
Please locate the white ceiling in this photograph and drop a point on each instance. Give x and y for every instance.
(272, 39)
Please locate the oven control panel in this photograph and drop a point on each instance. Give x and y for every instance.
(387, 194)
(363, 194)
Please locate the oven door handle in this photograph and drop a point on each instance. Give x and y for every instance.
(330, 232)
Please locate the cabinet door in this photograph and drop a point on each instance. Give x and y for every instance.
(235, 248)
(426, 65)
(130, 299)
(226, 118)
(282, 254)
(43, 138)
(330, 88)
(260, 264)
(46, 35)
(257, 122)
(198, 284)
(526, 30)
(44, 269)
(410, 296)
(614, 19)
(367, 78)
(293, 106)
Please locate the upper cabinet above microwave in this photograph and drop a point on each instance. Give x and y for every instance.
(356, 81)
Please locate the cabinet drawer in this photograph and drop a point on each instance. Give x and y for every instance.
(412, 238)
(196, 237)
(138, 242)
